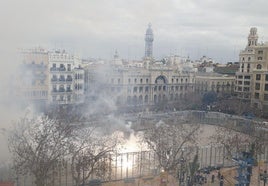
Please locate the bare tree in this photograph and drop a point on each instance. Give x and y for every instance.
(91, 154)
(168, 141)
(232, 140)
(37, 144)
(235, 141)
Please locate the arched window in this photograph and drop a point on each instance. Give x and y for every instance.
(159, 98)
(135, 100)
(259, 66)
(128, 100)
(155, 98)
(171, 97)
(146, 99)
(140, 99)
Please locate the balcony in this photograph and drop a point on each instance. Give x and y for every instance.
(53, 69)
(54, 79)
(62, 69)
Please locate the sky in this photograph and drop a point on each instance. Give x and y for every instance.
(96, 28)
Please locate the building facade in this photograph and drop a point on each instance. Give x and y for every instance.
(32, 77)
(219, 83)
(66, 78)
(138, 86)
(246, 61)
(252, 77)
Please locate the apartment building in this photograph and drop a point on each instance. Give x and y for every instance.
(252, 76)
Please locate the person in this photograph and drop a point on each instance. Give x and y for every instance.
(219, 175)
(212, 178)
(221, 180)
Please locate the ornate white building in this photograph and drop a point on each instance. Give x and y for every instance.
(252, 77)
(66, 78)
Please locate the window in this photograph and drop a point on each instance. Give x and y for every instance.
(140, 89)
(135, 80)
(68, 88)
(146, 89)
(247, 77)
(258, 77)
(118, 81)
(260, 52)
(266, 87)
(239, 82)
(265, 97)
(69, 67)
(147, 80)
(259, 58)
(129, 81)
(257, 95)
(135, 89)
(257, 86)
(266, 77)
(129, 89)
(259, 66)
(248, 58)
(246, 82)
(246, 89)
(240, 77)
(141, 81)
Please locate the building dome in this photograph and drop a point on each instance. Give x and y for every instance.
(253, 31)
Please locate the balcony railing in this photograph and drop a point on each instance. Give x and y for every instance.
(57, 69)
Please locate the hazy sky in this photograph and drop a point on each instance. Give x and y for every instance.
(95, 28)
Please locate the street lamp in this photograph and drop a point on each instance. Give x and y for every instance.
(182, 171)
